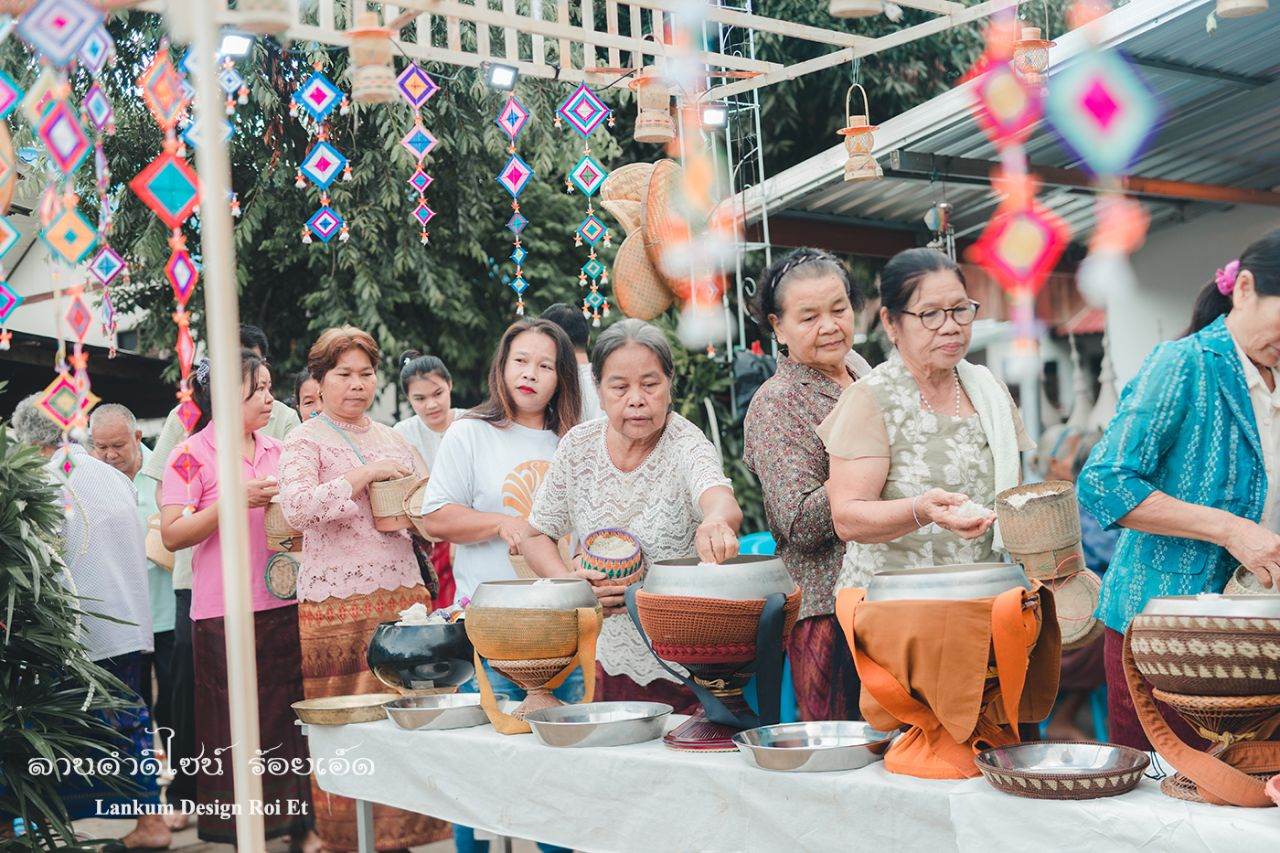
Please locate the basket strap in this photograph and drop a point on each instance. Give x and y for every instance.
(892, 696)
(1216, 780)
(715, 709)
(503, 722)
(769, 659)
(1010, 638)
(589, 621)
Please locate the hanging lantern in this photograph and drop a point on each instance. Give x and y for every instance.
(859, 140)
(654, 123)
(1031, 55)
(265, 17)
(1240, 8)
(855, 8)
(373, 80)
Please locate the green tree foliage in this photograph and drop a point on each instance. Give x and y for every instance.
(44, 676)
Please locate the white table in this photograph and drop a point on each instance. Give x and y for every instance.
(646, 797)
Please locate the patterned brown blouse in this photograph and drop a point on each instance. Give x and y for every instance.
(784, 451)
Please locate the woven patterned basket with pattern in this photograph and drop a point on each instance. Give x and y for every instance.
(1061, 786)
(1208, 655)
(280, 534)
(692, 630)
(1047, 523)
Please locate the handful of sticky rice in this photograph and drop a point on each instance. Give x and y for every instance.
(971, 509)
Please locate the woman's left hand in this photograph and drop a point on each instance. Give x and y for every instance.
(716, 542)
(611, 597)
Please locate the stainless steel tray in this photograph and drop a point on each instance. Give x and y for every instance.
(599, 723)
(813, 747)
(435, 713)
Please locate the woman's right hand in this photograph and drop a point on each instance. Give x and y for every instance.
(386, 469)
(1257, 549)
(611, 597)
(261, 491)
(939, 507)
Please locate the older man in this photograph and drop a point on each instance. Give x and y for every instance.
(116, 440)
(105, 551)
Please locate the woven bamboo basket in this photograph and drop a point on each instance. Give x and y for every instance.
(413, 509)
(1245, 582)
(522, 633)
(1044, 532)
(156, 552)
(663, 222)
(693, 630)
(280, 533)
(1076, 598)
(1208, 655)
(386, 499)
(630, 214)
(638, 289)
(627, 183)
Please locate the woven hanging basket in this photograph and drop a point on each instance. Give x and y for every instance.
(386, 499)
(663, 223)
(638, 290)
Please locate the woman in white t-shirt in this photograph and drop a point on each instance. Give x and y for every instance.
(492, 460)
(429, 386)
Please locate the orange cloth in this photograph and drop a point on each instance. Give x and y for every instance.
(933, 676)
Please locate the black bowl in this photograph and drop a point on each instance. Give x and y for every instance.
(423, 656)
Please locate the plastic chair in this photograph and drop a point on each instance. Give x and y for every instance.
(763, 545)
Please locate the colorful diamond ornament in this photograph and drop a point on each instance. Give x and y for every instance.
(63, 137)
(70, 236)
(515, 176)
(325, 223)
(1021, 246)
(169, 187)
(9, 236)
(318, 96)
(57, 28)
(512, 119)
(583, 110)
(1103, 111)
(10, 95)
(10, 300)
(416, 86)
(1005, 105)
(107, 265)
(164, 90)
(588, 175)
(323, 164)
(418, 142)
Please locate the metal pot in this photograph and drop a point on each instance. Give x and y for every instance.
(423, 656)
(743, 578)
(1212, 604)
(949, 583)
(544, 594)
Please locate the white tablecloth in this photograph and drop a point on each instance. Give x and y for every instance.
(646, 797)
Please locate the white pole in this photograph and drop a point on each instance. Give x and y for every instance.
(222, 312)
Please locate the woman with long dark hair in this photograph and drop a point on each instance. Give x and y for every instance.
(1188, 465)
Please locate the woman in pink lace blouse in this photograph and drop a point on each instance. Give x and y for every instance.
(353, 576)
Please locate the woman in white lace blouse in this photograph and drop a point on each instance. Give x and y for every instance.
(647, 470)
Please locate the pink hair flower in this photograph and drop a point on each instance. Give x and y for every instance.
(1226, 278)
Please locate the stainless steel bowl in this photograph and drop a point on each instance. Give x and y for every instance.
(545, 594)
(813, 747)
(444, 711)
(599, 723)
(1212, 604)
(1064, 758)
(949, 583)
(743, 578)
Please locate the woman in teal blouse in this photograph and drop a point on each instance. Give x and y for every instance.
(1185, 466)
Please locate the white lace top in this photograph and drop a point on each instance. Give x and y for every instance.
(343, 554)
(658, 502)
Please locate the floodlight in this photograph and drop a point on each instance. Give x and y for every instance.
(500, 78)
(235, 44)
(715, 115)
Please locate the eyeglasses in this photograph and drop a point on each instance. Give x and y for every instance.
(935, 318)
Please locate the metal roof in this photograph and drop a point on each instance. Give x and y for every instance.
(1220, 96)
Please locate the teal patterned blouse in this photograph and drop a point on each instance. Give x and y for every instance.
(1185, 427)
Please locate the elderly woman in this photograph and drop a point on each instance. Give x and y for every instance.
(1187, 465)
(921, 446)
(647, 470)
(808, 303)
(353, 576)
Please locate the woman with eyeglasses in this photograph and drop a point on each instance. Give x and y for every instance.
(921, 445)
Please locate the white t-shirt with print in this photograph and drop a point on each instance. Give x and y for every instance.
(488, 469)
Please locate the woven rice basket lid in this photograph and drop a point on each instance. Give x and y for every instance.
(630, 214)
(1039, 517)
(638, 289)
(742, 578)
(413, 499)
(1076, 597)
(1245, 582)
(627, 183)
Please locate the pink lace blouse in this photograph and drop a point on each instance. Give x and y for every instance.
(342, 553)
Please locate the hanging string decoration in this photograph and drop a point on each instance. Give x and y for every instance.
(236, 90)
(95, 54)
(313, 103)
(417, 88)
(583, 111)
(513, 178)
(10, 96)
(168, 186)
